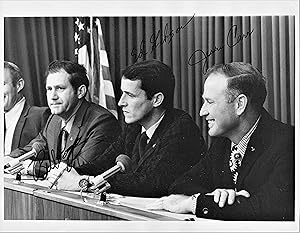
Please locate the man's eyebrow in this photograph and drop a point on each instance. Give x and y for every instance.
(128, 92)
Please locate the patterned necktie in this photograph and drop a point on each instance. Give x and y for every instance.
(142, 143)
(235, 162)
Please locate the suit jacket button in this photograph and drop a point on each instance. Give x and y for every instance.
(205, 211)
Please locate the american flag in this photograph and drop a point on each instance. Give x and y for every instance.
(95, 60)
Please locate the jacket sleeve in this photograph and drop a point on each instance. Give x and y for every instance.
(273, 200)
(179, 149)
(97, 138)
(40, 138)
(196, 180)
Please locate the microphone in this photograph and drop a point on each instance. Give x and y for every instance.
(36, 149)
(123, 164)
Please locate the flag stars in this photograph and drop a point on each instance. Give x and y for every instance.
(76, 37)
(89, 30)
(81, 26)
(77, 21)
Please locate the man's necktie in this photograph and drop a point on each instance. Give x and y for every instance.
(4, 125)
(64, 138)
(235, 162)
(142, 143)
(62, 141)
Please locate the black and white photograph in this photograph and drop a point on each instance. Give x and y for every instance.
(131, 116)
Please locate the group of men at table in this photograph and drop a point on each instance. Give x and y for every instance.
(247, 172)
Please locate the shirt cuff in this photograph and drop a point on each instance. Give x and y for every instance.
(194, 199)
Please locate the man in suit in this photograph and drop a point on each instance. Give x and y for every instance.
(22, 121)
(248, 172)
(78, 131)
(173, 143)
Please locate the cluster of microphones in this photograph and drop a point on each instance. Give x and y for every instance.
(99, 183)
(16, 165)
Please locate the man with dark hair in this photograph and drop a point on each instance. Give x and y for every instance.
(22, 122)
(161, 141)
(248, 172)
(78, 131)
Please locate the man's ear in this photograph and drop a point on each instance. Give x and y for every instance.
(241, 103)
(81, 91)
(157, 99)
(20, 85)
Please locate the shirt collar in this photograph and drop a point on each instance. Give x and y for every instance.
(242, 145)
(16, 108)
(67, 124)
(152, 129)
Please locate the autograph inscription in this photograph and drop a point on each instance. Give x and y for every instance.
(204, 55)
(158, 39)
(49, 162)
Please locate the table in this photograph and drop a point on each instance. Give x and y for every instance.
(28, 201)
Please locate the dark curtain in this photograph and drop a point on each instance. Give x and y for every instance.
(267, 42)
(32, 43)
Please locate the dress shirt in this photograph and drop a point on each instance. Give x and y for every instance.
(11, 120)
(242, 145)
(67, 124)
(152, 129)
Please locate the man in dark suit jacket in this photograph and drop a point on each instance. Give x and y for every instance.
(30, 123)
(22, 121)
(174, 142)
(248, 172)
(77, 131)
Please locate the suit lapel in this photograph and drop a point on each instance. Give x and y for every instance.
(156, 137)
(254, 149)
(78, 122)
(19, 127)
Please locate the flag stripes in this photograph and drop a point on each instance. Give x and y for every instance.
(95, 59)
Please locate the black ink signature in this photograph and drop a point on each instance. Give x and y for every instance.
(204, 55)
(48, 162)
(158, 39)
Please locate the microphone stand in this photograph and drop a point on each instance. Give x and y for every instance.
(99, 191)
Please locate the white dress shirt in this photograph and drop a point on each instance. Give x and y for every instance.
(11, 120)
(152, 129)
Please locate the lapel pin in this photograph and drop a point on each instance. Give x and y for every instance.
(71, 138)
(154, 145)
(252, 148)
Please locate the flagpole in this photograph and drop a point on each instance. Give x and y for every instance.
(92, 59)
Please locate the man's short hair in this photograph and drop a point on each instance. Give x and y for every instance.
(78, 75)
(155, 77)
(15, 72)
(245, 79)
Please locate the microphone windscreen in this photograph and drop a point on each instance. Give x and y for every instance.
(125, 160)
(38, 147)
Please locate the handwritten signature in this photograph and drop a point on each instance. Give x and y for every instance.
(204, 55)
(158, 39)
(48, 162)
